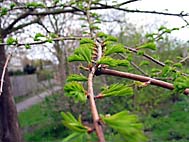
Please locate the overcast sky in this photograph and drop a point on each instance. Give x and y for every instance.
(173, 6)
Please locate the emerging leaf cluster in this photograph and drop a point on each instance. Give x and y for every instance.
(127, 125)
(113, 62)
(181, 83)
(84, 52)
(75, 90)
(80, 131)
(117, 90)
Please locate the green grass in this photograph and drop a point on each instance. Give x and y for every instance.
(37, 126)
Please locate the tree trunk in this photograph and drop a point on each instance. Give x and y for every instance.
(9, 128)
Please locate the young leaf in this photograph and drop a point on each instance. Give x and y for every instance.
(108, 61)
(111, 38)
(181, 83)
(75, 90)
(117, 90)
(3, 11)
(35, 5)
(38, 36)
(86, 41)
(11, 41)
(76, 77)
(84, 52)
(71, 123)
(12, 5)
(113, 62)
(73, 58)
(27, 46)
(101, 35)
(149, 45)
(126, 125)
(116, 48)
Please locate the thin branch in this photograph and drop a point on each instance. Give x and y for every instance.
(127, 2)
(46, 41)
(139, 69)
(22, 26)
(22, 16)
(135, 66)
(3, 73)
(94, 111)
(147, 56)
(141, 78)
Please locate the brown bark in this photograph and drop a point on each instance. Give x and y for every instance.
(141, 78)
(9, 128)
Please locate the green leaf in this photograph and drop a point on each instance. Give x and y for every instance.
(162, 28)
(27, 46)
(111, 38)
(102, 35)
(140, 52)
(38, 36)
(73, 58)
(11, 41)
(4, 11)
(117, 90)
(178, 65)
(86, 41)
(76, 91)
(82, 53)
(73, 124)
(113, 62)
(115, 48)
(149, 45)
(76, 137)
(12, 5)
(34, 5)
(126, 125)
(76, 77)
(53, 35)
(181, 83)
(144, 63)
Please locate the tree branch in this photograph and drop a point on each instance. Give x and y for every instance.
(46, 41)
(22, 16)
(141, 78)
(22, 26)
(3, 73)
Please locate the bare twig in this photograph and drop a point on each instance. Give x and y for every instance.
(141, 78)
(4, 71)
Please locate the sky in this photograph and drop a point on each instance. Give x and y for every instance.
(173, 6)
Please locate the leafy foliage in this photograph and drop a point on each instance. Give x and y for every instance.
(149, 45)
(11, 41)
(86, 41)
(117, 90)
(114, 48)
(127, 125)
(34, 5)
(75, 90)
(76, 77)
(181, 83)
(82, 53)
(113, 62)
(70, 122)
(3, 11)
